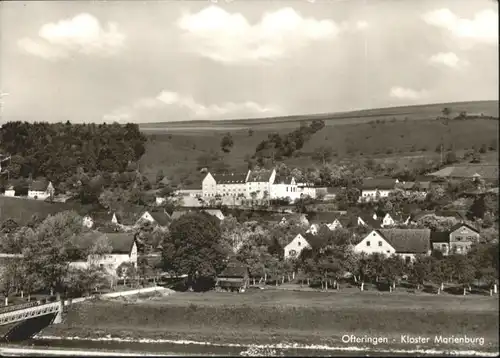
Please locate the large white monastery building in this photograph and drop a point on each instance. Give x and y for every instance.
(258, 184)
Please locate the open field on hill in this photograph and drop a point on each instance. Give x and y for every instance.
(400, 132)
(429, 111)
(283, 316)
(22, 209)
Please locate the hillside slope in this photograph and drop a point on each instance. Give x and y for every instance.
(402, 131)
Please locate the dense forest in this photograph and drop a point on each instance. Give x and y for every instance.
(57, 150)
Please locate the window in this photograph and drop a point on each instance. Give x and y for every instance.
(380, 243)
(368, 243)
(459, 238)
(373, 234)
(388, 251)
(407, 259)
(299, 243)
(443, 246)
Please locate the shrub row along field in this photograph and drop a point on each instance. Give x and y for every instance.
(175, 148)
(275, 316)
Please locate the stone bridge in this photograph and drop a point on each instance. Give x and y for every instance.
(24, 321)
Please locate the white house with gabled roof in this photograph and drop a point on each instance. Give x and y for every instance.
(295, 247)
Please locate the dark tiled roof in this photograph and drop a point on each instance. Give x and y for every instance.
(260, 176)
(380, 183)
(468, 171)
(440, 236)
(229, 178)
(194, 186)
(419, 215)
(323, 217)
(409, 185)
(121, 242)
(370, 221)
(333, 190)
(315, 241)
(451, 214)
(160, 217)
(39, 185)
(415, 241)
(234, 270)
(460, 224)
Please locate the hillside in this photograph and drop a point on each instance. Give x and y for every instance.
(22, 210)
(420, 112)
(176, 151)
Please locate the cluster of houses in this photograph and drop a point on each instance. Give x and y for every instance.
(37, 190)
(385, 239)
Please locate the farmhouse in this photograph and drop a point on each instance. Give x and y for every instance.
(260, 182)
(369, 220)
(484, 171)
(235, 277)
(160, 218)
(295, 247)
(299, 243)
(373, 189)
(462, 236)
(331, 220)
(10, 191)
(123, 250)
(404, 242)
(40, 190)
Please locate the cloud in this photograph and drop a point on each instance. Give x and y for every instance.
(81, 34)
(483, 27)
(361, 25)
(406, 93)
(172, 102)
(229, 37)
(449, 59)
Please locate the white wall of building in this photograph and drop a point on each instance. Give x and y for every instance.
(209, 186)
(374, 243)
(295, 247)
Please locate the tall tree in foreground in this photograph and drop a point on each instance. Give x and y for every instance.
(194, 247)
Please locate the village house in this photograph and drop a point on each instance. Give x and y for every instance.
(299, 243)
(329, 219)
(235, 277)
(373, 189)
(160, 218)
(407, 243)
(10, 191)
(295, 247)
(369, 220)
(40, 190)
(462, 236)
(123, 250)
(260, 183)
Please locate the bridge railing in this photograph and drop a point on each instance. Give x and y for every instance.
(38, 310)
(17, 307)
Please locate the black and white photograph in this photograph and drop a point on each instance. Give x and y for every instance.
(249, 178)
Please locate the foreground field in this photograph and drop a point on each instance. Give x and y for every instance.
(266, 317)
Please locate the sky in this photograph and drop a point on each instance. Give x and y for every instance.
(158, 61)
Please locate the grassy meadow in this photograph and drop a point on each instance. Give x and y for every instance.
(410, 132)
(273, 316)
